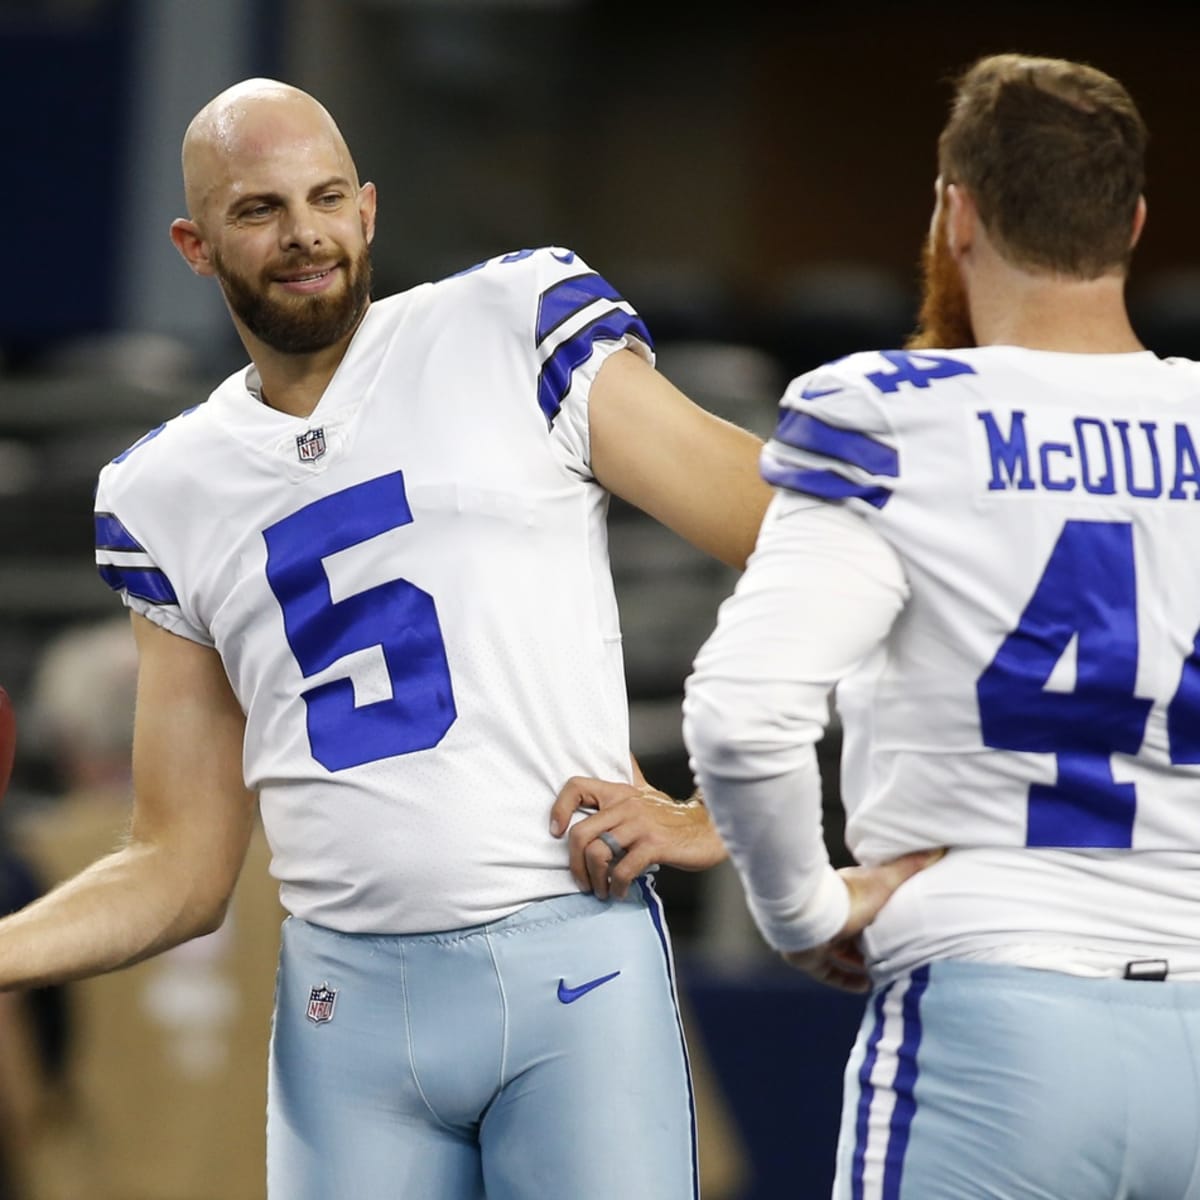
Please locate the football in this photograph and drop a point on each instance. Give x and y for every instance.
(8, 740)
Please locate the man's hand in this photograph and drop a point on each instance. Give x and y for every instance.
(644, 823)
(839, 962)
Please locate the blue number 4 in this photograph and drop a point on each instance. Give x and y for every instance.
(916, 368)
(1087, 594)
(397, 617)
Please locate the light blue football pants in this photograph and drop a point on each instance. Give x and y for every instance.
(977, 1082)
(539, 1057)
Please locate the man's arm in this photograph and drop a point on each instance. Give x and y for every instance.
(819, 596)
(191, 823)
(687, 468)
(698, 475)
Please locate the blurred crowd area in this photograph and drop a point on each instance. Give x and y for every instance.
(757, 184)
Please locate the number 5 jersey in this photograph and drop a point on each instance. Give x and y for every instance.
(409, 590)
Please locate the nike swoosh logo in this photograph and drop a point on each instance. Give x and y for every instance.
(811, 393)
(568, 995)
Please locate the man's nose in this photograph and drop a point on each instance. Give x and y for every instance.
(299, 231)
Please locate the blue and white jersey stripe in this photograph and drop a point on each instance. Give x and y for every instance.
(111, 534)
(887, 1077)
(146, 583)
(573, 315)
(565, 298)
(803, 431)
(832, 440)
(823, 484)
(125, 566)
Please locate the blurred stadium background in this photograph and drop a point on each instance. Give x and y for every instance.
(756, 180)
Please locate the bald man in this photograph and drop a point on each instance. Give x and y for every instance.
(370, 590)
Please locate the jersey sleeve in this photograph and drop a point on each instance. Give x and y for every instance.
(558, 316)
(129, 566)
(580, 319)
(833, 440)
(818, 596)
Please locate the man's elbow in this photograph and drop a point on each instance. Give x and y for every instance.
(737, 730)
(209, 916)
(197, 900)
(723, 737)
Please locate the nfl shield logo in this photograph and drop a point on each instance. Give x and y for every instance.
(320, 1003)
(310, 445)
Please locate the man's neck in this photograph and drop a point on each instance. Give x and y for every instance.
(294, 383)
(1053, 312)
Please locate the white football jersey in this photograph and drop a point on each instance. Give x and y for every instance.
(1035, 704)
(409, 590)
(1044, 672)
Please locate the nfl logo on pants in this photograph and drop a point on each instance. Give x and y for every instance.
(310, 445)
(320, 1003)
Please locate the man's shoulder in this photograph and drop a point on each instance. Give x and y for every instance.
(875, 392)
(180, 438)
(549, 294)
(527, 278)
(881, 373)
(518, 265)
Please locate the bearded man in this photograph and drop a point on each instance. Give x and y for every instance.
(986, 543)
(370, 591)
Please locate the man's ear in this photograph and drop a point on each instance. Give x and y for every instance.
(1139, 221)
(191, 245)
(366, 210)
(961, 219)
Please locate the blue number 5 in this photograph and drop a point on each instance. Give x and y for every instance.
(398, 617)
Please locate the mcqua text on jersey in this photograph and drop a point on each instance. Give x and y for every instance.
(1104, 456)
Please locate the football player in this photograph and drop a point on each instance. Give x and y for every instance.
(985, 542)
(370, 589)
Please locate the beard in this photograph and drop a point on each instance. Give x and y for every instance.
(944, 320)
(299, 324)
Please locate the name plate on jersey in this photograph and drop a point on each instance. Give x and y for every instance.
(1022, 453)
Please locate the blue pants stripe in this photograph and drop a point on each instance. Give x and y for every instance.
(906, 1079)
(654, 907)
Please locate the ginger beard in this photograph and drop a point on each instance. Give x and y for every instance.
(945, 317)
(298, 324)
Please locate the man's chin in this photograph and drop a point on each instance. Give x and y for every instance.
(298, 323)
